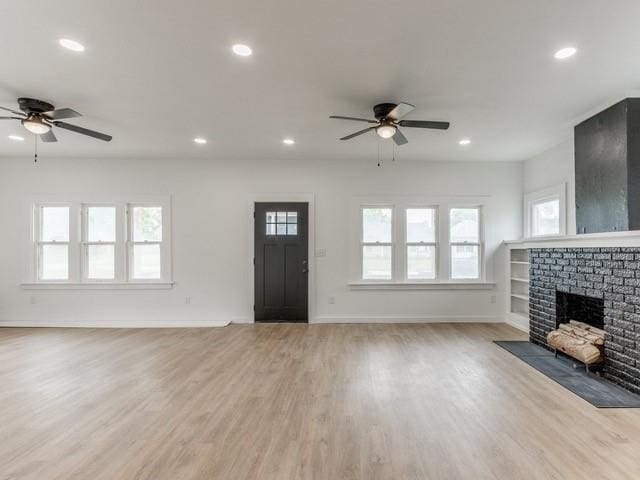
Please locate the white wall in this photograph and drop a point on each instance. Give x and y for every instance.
(211, 248)
(550, 168)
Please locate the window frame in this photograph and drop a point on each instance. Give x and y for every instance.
(39, 243)
(540, 196)
(479, 243)
(131, 243)
(435, 244)
(378, 244)
(85, 243)
(78, 251)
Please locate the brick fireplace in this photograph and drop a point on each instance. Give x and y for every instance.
(591, 276)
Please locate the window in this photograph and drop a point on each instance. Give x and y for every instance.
(376, 243)
(281, 223)
(108, 243)
(545, 217)
(421, 243)
(53, 243)
(402, 244)
(545, 212)
(99, 242)
(464, 240)
(145, 242)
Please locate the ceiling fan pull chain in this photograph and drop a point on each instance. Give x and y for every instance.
(378, 152)
(35, 155)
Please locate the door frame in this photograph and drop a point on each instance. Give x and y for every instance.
(309, 199)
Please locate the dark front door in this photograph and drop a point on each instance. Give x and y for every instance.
(281, 263)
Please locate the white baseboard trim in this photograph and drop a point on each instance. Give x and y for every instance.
(518, 321)
(406, 319)
(113, 324)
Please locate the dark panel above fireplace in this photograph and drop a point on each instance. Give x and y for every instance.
(607, 164)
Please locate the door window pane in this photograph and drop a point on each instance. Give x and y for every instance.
(101, 224)
(54, 262)
(376, 262)
(101, 260)
(55, 224)
(282, 223)
(146, 262)
(421, 263)
(147, 224)
(465, 225)
(376, 225)
(421, 225)
(545, 218)
(465, 262)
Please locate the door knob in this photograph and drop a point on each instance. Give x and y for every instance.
(304, 270)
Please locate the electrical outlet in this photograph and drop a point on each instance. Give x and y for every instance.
(32, 300)
(321, 252)
(187, 300)
(493, 299)
(332, 300)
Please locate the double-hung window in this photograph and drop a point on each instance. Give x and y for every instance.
(145, 242)
(101, 243)
(421, 243)
(52, 239)
(376, 243)
(465, 243)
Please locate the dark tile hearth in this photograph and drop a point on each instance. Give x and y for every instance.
(611, 276)
(597, 391)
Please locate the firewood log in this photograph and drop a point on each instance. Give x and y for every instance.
(574, 346)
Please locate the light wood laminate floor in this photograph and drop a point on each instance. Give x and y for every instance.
(294, 401)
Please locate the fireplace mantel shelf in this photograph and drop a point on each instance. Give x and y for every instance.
(612, 239)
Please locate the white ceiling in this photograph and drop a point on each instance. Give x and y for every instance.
(157, 73)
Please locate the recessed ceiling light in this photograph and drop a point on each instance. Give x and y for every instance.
(565, 53)
(16, 138)
(464, 141)
(242, 50)
(288, 141)
(200, 140)
(71, 45)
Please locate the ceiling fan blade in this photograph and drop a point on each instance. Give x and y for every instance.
(399, 138)
(61, 113)
(348, 137)
(400, 111)
(11, 118)
(424, 124)
(13, 111)
(83, 131)
(353, 118)
(48, 137)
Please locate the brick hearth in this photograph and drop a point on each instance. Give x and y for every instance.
(612, 274)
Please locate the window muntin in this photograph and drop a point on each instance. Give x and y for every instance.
(99, 242)
(421, 245)
(145, 243)
(464, 243)
(53, 243)
(376, 243)
(281, 223)
(545, 217)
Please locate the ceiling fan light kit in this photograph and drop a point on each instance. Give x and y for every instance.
(40, 117)
(388, 119)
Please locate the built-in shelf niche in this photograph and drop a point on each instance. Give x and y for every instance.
(519, 281)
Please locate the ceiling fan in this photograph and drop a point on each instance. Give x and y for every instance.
(40, 117)
(388, 119)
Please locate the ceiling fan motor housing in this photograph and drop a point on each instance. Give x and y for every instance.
(32, 105)
(381, 110)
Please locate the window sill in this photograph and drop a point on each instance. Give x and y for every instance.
(98, 286)
(475, 285)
